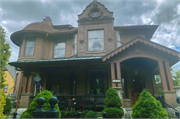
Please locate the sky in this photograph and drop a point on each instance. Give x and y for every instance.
(16, 14)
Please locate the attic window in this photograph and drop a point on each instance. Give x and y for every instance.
(95, 40)
(59, 49)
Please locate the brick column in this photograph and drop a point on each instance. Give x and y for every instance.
(24, 84)
(29, 84)
(119, 73)
(112, 75)
(162, 75)
(169, 76)
(154, 85)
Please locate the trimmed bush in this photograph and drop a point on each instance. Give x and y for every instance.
(69, 114)
(7, 107)
(113, 104)
(148, 107)
(91, 114)
(33, 106)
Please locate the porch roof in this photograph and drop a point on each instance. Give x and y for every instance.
(144, 41)
(18, 63)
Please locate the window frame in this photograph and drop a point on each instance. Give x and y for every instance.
(26, 46)
(117, 32)
(88, 40)
(75, 44)
(63, 41)
(6, 89)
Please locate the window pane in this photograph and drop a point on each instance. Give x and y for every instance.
(59, 49)
(118, 36)
(30, 43)
(74, 48)
(119, 44)
(95, 40)
(29, 51)
(5, 88)
(59, 45)
(75, 42)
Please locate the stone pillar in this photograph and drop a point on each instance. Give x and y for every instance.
(177, 89)
(169, 76)
(154, 85)
(24, 84)
(112, 74)
(119, 91)
(170, 98)
(30, 79)
(25, 100)
(162, 75)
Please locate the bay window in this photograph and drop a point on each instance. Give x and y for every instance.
(59, 49)
(95, 40)
(30, 44)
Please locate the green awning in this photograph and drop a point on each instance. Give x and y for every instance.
(75, 59)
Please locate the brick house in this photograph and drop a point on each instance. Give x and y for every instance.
(90, 58)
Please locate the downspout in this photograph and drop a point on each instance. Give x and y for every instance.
(42, 55)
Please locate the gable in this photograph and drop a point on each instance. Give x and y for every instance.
(95, 13)
(149, 48)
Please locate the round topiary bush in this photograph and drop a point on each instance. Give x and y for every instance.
(113, 104)
(91, 114)
(33, 106)
(7, 107)
(148, 107)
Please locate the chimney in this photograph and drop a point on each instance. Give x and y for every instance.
(48, 21)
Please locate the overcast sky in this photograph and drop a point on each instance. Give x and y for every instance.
(16, 14)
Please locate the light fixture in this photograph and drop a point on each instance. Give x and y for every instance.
(37, 77)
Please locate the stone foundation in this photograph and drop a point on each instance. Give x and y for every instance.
(24, 102)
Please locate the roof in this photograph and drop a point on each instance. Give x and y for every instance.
(144, 41)
(42, 28)
(11, 70)
(55, 60)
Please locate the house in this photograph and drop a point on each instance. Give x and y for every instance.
(10, 74)
(90, 58)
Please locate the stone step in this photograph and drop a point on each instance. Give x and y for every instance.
(98, 114)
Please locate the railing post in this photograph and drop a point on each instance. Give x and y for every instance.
(178, 112)
(15, 114)
(79, 114)
(104, 115)
(39, 113)
(52, 113)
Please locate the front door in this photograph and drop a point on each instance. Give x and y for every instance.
(138, 85)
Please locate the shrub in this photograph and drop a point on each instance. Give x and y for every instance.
(3, 103)
(7, 107)
(113, 104)
(69, 114)
(148, 107)
(113, 112)
(91, 114)
(33, 106)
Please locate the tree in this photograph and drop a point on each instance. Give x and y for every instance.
(5, 54)
(176, 78)
(148, 107)
(113, 104)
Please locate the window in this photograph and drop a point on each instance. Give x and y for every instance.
(30, 43)
(119, 42)
(5, 88)
(59, 49)
(75, 44)
(95, 40)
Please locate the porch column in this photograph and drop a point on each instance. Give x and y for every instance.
(169, 76)
(112, 75)
(162, 75)
(44, 83)
(29, 84)
(24, 84)
(154, 84)
(119, 74)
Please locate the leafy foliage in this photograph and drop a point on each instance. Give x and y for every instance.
(7, 107)
(91, 114)
(4, 53)
(148, 107)
(33, 106)
(176, 78)
(3, 103)
(113, 104)
(69, 114)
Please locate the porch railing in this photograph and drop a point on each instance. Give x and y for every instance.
(80, 102)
